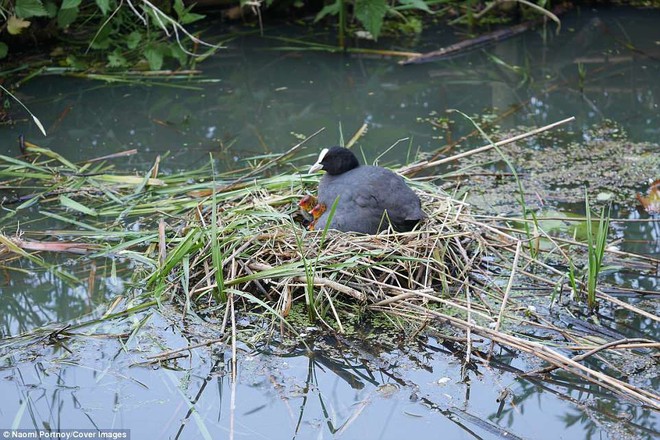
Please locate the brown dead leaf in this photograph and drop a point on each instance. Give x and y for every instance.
(651, 204)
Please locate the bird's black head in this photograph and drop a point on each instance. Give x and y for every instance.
(335, 160)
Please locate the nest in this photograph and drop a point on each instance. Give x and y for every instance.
(266, 253)
(453, 272)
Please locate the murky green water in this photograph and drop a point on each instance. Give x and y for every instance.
(252, 99)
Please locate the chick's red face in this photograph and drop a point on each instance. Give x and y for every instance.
(307, 203)
(318, 211)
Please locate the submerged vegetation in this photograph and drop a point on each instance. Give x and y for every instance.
(228, 250)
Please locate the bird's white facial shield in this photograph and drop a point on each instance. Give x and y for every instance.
(318, 165)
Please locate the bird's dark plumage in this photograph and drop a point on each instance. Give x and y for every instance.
(370, 198)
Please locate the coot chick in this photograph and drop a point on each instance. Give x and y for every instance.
(306, 205)
(370, 198)
(311, 210)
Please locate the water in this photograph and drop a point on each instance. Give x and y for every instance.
(253, 99)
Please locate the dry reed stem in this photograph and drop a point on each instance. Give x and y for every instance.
(507, 291)
(319, 281)
(422, 165)
(556, 359)
(622, 342)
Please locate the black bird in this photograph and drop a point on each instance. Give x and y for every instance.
(370, 198)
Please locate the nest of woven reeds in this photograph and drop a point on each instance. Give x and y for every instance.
(267, 254)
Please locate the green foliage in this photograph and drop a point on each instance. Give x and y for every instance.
(184, 14)
(70, 4)
(116, 59)
(372, 14)
(413, 4)
(104, 6)
(29, 8)
(155, 54)
(596, 244)
(331, 9)
(128, 34)
(67, 14)
(133, 39)
(135, 33)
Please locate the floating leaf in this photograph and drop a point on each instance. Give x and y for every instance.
(604, 196)
(128, 180)
(55, 246)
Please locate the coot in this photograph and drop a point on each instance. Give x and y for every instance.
(370, 198)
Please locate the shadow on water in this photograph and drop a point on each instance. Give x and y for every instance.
(252, 99)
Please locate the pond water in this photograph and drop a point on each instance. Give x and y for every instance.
(254, 98)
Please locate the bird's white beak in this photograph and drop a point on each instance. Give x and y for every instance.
(318, 165)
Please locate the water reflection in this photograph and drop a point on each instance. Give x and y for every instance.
(327, 387)
(34, 297)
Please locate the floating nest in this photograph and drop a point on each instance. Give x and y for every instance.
(267, 253)
(455, 273)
